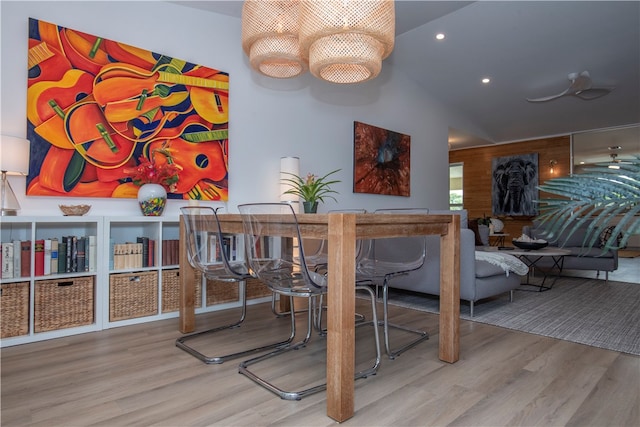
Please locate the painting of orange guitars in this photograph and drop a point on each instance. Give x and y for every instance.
(97, 108)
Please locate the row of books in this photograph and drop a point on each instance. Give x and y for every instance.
(70, 254)
(142, 253)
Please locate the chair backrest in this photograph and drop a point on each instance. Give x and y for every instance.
(412, 250)
(319, 247)
(269, 230)
(208, 249)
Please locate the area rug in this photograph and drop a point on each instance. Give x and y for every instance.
(585, 311)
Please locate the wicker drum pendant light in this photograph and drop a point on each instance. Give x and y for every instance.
(270, 37)
(346, 40)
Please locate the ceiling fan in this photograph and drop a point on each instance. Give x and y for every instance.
(581, 87)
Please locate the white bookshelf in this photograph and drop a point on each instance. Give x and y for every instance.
(107, 229)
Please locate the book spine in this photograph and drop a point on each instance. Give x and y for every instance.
(17, 258)
(47, 257)
(80, 253)
(7, 260)
(25, 255)
(152, 253)
(55, 246)
(67, 255)
(93, 254)
(39, 257)
(62, 256)
(74, 254)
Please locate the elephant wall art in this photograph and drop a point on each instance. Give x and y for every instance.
(514, 185)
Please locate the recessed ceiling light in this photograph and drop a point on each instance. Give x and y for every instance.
(486, 80)
(615, 147)
(440, 36)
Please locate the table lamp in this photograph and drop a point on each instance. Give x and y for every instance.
(14, 160)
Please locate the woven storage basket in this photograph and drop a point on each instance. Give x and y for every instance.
(14, 309)
(221, 292)
(171, 290)
(133, 295)
(63, 303)
(257, 289)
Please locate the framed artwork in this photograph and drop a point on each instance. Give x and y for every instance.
(382, 161)
(514, 185)
(97, 108)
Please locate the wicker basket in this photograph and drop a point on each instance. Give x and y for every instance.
(63, 303)
(221, 292)
(257, 289)
(14, 309)
(133, 295)
(171, 290)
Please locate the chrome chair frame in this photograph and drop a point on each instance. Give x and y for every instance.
(282, 279)
(205, 220)
(370, 271)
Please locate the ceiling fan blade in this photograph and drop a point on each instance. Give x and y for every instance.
(549, 98)
(593, 93)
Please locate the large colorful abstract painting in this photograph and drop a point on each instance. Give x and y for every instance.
(97, 108)
(382, 161)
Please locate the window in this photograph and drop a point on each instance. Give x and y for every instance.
(455, 186)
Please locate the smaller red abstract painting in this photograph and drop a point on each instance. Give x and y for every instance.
(382, 161)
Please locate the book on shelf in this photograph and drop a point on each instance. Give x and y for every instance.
(80, 253)
(93, 254)
(25, 258)
(74, 254)
(39, 257)
(16, 258)
(7, 260)
(152, 253)
(47, 257)
(55, 246)
(144, 241)
(62, 256)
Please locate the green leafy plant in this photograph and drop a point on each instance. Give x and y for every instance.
(485, 220)
(600, 197)
(311, 188)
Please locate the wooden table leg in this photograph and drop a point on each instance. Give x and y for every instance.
(340, 315)
(187, 290)
(449, 344)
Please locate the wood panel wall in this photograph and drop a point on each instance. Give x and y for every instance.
(477, 174)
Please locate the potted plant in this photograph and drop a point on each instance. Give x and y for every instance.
(311, 189)
(483, 229)
(609, 196)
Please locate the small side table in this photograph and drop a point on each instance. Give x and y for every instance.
(498, 238)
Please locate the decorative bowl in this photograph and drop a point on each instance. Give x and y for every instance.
(74, 210)
(529, 245)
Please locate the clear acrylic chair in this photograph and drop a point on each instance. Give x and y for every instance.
(377, 268)
(207, 253)
(270, 229)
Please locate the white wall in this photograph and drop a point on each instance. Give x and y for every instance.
(269, 118)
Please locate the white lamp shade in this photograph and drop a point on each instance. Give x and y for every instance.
(14, 155)
(289, 166)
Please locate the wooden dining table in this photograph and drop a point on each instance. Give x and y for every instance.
(341, 230)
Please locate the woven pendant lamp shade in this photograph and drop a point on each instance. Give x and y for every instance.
(270, 37)
(346, 40)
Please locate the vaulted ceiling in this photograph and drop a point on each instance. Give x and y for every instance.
(527, 49)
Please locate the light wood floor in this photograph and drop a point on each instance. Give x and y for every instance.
(136, 376)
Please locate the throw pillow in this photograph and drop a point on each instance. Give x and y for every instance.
(606, 234)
